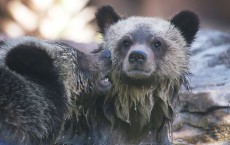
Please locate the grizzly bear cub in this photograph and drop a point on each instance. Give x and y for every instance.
(149, 65)
(40, 84)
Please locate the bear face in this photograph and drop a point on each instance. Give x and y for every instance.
(150, 59)
(40, 83)
(144, 48)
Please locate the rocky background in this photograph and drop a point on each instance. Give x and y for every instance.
(204, 112)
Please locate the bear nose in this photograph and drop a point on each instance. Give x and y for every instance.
(106, 53)
(137, 57)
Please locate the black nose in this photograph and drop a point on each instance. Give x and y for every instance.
(137, 57)
(106, 53)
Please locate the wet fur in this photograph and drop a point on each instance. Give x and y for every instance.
(134, 110)
(41, 82)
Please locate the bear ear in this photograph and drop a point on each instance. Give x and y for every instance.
(30, 61)
(106, 16)
(188, 24)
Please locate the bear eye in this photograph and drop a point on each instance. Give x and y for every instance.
(127, 43)
(156, 44)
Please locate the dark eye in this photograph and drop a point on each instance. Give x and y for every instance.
(156, 45)
(127, 43)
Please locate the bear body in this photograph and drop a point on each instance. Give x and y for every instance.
(149, 65)
(41, 82)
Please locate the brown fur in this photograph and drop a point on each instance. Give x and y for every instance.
(140, 106)
(41, 82)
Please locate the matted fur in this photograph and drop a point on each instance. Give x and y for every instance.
(35, 110)
(173, 67)
(143, 95)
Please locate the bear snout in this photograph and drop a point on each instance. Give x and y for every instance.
(137, 57)
(106, 54)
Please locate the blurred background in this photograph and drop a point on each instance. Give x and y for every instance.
(74, 19)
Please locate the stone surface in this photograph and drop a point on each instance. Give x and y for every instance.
(204, 112)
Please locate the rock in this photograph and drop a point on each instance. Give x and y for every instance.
(204, 112)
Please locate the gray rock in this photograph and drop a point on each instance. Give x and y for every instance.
(204, 112)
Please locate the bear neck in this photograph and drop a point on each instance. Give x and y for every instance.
(130, 99)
